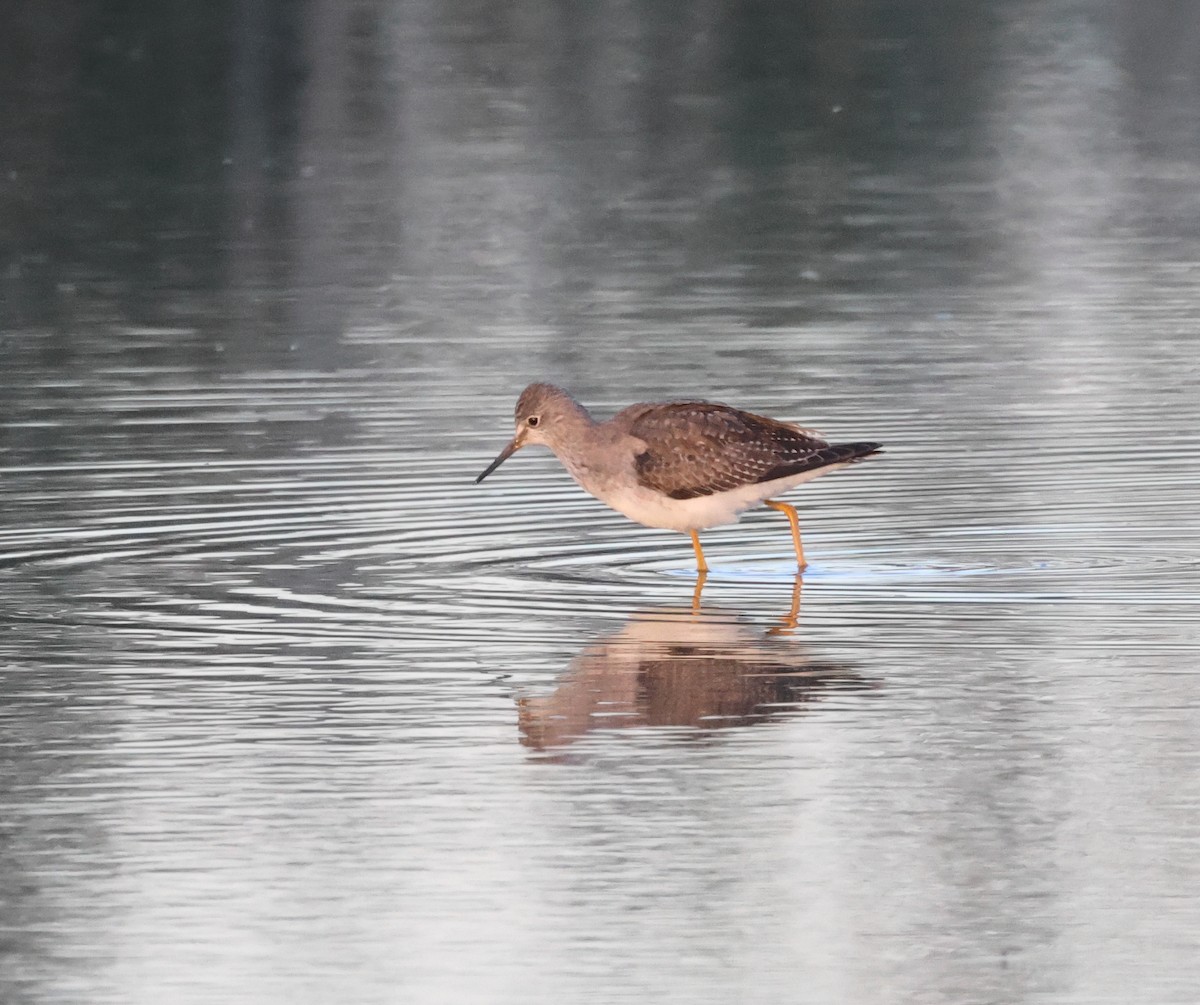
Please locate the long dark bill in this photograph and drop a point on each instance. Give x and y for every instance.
(503, 456)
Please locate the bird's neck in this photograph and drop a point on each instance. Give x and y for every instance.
(575, 446)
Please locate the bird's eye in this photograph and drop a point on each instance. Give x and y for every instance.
(533, 420)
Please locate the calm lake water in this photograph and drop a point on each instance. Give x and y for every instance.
(292, 711)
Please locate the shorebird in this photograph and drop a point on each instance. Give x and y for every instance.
(678, 465)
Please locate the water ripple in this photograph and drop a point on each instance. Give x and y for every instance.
(370, 548)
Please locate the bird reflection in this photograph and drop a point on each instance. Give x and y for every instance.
(708, 669)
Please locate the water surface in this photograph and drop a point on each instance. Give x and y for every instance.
(294, 711)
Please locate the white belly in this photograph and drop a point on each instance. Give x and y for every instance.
(653, 509)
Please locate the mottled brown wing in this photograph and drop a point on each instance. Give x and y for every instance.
(697, 448)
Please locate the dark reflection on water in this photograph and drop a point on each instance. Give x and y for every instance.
(270, 277)
(679, 667)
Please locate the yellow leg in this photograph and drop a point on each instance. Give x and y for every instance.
(788, 623)
(701, 565)
(794, 520)
(698, 591)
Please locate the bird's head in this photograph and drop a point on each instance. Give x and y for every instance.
(543, 415)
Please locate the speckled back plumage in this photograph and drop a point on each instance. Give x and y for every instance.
(699, 448)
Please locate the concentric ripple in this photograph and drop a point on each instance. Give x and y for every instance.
(375, 549)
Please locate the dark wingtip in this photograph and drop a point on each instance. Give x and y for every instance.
(837, 453)
(861, 451)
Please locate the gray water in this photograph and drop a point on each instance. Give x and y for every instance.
(292, 711)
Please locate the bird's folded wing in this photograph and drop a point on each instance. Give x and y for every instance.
(697, 448)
